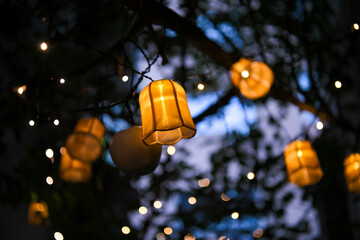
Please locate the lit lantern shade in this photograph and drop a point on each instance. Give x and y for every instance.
(253, 79)
(165, 113)
(131, 155)
(38, 213)
(352, 172)
(302, 164)
(84, 143)
(73, 170)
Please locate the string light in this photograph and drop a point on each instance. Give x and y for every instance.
(56, 122)
(58, 236)
(245, 74)
(171, 150)
(49, 153)
(356, 26)
(62, 150)
(235, 215)
(160, 236)
(168, 230)
(258, 233)
(21, 90)
(204, 182)
(224, 197)
(319, 125)
(31, 123)
(157, 204)
(192, 200)
(125, 78)
(201, 86)
(49, 180)
(143, 210)
(224, 238)
(189, 237)
(299, 153)
(250, 175)
(43, 46)
(125, 230)
(338, 84)
(62, 81)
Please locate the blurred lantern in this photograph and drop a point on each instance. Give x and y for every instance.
(165, 114)
(302, 165)
(84, 143)
(352, 172)
(38, 213)
(131, 155)
(73, 170)
(253, 79)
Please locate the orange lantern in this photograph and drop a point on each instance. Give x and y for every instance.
(165, 113)
(253, 79)
(131, 155)
(84, 143)
(302, 164)
(73, 170)
(352, 172)
(38, 213)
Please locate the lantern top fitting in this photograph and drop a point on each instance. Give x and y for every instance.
(352, 172)
(165, 114)
(252, 78)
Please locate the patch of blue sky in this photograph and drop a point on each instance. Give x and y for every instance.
(232, 34)
(114, 125)
(304, 81)
(170, 33)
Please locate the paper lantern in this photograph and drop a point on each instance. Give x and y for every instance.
(131, 155)
(352, 172)
(302, 165)
(73, 170)
(253, 79)
(84, 143)
(38, 213)
(165, 113)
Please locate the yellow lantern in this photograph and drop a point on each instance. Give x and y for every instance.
(73, 170)
(38, 213)
(165, 113)
(84, 143)
(131, 155)
(302, 164)
(253, 79)
(352, 172)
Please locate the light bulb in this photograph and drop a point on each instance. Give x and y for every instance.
(125, 78)
(192, 200)
(49, 153)
(143, 210)
(250, 175)
(31, 123)
(58, 236)
(168, 230)
(44, 46)
(204, 182)
(319, 125)
(125, 230)
(56, 122)
(157, 204)
(171, 150)
(356, 26)
(245, 74)
(62, 81)
(201, 86)
(235, 215)
(49, 180)
(338, 84)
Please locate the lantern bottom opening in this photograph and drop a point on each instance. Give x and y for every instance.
(76, 175)
(306, 176)
(168, 137)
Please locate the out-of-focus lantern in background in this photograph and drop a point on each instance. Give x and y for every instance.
(352, 172)
(131, 155)
(253, 79)
(73, 170)
(84, 143)
(38, 213)
(165, 114)
(302, 164)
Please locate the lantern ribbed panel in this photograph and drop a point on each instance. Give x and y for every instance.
(259, 81)
(165, 114)
(72, 170)
(302, 165)
(38, 213)
(352, 172)
(84, 143)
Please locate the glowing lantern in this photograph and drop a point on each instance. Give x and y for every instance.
(253, 79)
(352, 172)
(131, 155)
(38, 213)
(73, 170)
(84, 143)
(302, 165)
(165, 114)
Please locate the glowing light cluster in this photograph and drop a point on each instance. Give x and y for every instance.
(49, 153)
(192, 200)
(171, 150)
(143, 210)
(157, 204)
(250, 175)
(125, 230)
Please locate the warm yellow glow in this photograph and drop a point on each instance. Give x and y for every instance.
(31, 123)
(49, 153)
(125, 78)
(56, 122)
(58, 236)
(250, 175)
(201, 86)
(73, 170)
(356, 26)
(157, 204)
(192, 200)
(62, 150)
(44, 46)
(245, 74)
(224, 197)
(38, 213)
(204, 182)
(168, 230)
(319, 125)
(49, 180)
(338, 84)
(160, 236)
(125, 230)
(62, 81)
(143, 210)
(235, 215)
(299, 153)
(224, 238)
(352, 172)
(258, 233)
(21, 89)
(189, 237)
(171, 150)
(356, 165)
